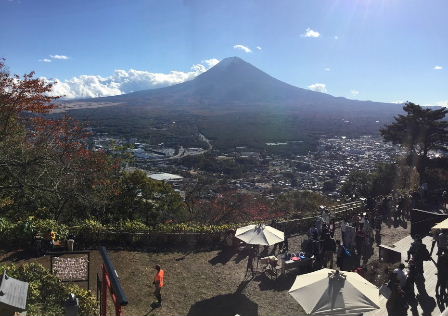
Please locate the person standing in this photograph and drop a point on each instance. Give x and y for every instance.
(442, 274)
(250, 261)
(419, 253)
(340, 255)
(402, 275)
(396, 304)
(159, 282)
(343, 228)
(415, 277)
(350, 235)
(326, 216)
(441, 239)
(329, 246)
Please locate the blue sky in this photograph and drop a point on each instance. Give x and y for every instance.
(382, 50)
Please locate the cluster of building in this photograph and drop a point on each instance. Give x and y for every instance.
(323, 170)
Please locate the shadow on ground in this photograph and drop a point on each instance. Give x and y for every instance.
(282, 283)
(427, 303)
(223, 256)
(225, 305)
(442, 302)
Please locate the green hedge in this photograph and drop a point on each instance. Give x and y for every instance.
(47, 294)
(21, 233)
(90, 232)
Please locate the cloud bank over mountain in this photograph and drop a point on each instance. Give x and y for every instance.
(124, 81)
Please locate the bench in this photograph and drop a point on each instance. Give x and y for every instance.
(41, 245)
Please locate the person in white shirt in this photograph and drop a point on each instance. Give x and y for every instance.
(402, 275)
(326, 217)
(343, 228)
(350, 234)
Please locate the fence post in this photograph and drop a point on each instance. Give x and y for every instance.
(103, 308)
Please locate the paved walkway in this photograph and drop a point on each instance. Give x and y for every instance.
(431, 307)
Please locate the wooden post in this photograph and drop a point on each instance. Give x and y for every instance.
(104, 292)
(118, 310)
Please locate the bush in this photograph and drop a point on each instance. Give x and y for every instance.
(194, 228)
(88, 231)
(22, 233)
(46, 293)
(130, 226)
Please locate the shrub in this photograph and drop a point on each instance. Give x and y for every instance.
(88, 231)
(46, 293)
(22, 233)
(132, 226)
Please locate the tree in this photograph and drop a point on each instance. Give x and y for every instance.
(358, 184)
(46, 168)
(419, 131)
(299, 203)
(20, 96)
(384, 179)
(148, 200)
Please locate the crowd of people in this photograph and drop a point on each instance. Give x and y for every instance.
(403, 280)
(357, 237)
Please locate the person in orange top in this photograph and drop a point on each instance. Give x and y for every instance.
(159, 282)
(51, 238)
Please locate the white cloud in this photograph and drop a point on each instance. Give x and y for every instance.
(442, 103)
(45, 60)
(319, 87)
(259, 48)
(243, 48)
(327, 69)
(354, 92)
(437, 67)
(125, 81)
(59, 57)
(398, 102)
(310, 33)
(210, 62)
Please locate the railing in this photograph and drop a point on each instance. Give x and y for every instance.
(301, 225)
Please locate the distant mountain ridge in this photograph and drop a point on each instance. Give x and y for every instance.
(232, 104)
(236, 83)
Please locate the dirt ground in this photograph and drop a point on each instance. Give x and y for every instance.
(201, 283)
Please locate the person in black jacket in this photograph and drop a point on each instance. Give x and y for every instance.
(329, 245)
(419, 253)
(442, 274)
(396, 304)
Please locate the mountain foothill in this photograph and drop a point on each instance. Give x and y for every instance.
(232, 104)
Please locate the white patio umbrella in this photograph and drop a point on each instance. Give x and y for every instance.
(260, 235)
(327, 292)
(441, 225)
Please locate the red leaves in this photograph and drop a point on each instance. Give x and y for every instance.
(24, 94)
(20, 96)
(234, 207)
(50, 157)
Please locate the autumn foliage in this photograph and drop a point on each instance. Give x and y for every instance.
(46, 168)
(21, 95)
